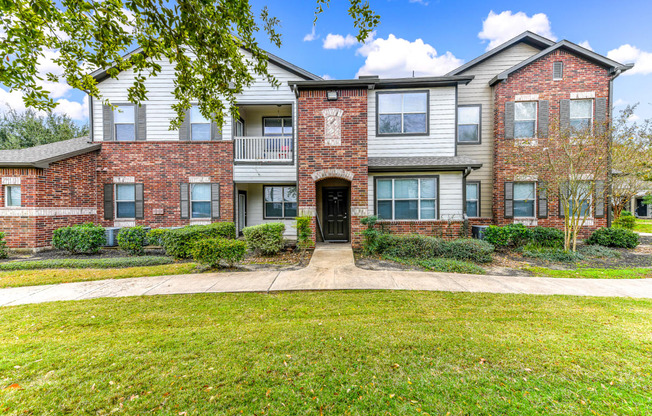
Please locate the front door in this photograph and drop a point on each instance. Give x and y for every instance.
(336, 213)
(641, 208)
(242, 210)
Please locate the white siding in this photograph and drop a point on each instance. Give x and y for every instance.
(441, 138)
(450, 192)
(478, 91)
(255, 209)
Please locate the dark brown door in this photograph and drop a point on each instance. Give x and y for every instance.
(336, 212)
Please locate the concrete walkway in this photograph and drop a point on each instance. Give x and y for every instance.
(331, 268)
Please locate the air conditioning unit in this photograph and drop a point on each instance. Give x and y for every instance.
(111, 234)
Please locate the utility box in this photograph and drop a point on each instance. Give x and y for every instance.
(111, 234)
(477, 231)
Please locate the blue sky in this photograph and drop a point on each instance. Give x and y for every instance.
(431, 37)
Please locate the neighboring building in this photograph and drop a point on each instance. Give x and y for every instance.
(429, 154)
(638, 207)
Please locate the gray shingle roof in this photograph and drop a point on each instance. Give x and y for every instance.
(422, 163)
(41, 156)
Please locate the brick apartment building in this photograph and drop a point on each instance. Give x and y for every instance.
(427, 154)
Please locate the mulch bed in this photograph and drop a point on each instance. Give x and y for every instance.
(286, 260)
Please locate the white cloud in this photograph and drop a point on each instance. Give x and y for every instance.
(586, 45)
(499, 28)
(339, 42)
(74, 109)
(425, 3)
(620, 103)
(633, 118)
(631, 54)
(326, 76)
(397, 57)
(310, 36)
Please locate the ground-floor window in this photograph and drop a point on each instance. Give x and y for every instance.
(125, 201)
(200, 200)
(473, 199)
(406, 198)
(12, 196)
(280, 201)
(524, 193)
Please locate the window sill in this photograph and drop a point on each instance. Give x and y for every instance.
(469, 143)
(526, 142)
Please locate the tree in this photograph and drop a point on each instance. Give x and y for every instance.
(27, 129)
(572, 164)
(204, 40)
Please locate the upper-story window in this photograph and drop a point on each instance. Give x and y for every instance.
(200, 127)
(12, 196)
(525, 119)
(404, 113)
(277, 126)
(407, 198)
(124, 120)
(581, 114)
(557, 70)
(125, 201)
(468, 124)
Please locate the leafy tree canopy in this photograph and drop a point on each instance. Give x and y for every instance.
(27, 129)
(203, 40)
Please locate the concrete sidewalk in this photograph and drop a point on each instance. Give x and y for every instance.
(332, 268)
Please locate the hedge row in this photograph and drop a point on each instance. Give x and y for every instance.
(417, 246)
(109, 263)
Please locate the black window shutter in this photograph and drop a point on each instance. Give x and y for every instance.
(216, 131)
(140, 201)
(544, 119)
(509, 120)
(141, 122)
(509, 199)
(542, 200)
(563, 190)
(599, 199)
(107, 123)
(600, 114)
(215, 200)
(108, 201)
(184, 130)
(185, 203)
(564, 116)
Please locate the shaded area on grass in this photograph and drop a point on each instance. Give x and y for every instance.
(355, 353)
(593, 273)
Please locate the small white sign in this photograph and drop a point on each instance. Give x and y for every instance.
(12, 180)
(124, 179)
(199, 179)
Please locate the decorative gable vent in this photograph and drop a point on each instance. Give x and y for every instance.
(557, 70)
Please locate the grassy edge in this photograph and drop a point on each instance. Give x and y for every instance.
(592, 273)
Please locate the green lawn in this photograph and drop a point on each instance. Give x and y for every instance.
(50, 276)
(330, 353)
(590, 273)
(643, 226)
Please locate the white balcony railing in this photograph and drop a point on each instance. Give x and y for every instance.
(264, 149)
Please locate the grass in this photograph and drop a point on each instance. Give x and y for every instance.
(106, 263)
(441, 265)
(643, 226)
(328, 353)
(50, 276)
(591, 273)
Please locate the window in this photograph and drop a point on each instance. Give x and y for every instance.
(200, 200)
(557, 70)
(472, 199)
(12, 196)
(583, 192)
(200, 127)
(468, 124)
(407, 198)
(525, 120)
(124, 119)
(581, 114)
(280, 127)
(280, 201)
(125, 201)
(524, 199)
(403, 113)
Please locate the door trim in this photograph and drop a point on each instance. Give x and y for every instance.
(324, 191)
(243, 193)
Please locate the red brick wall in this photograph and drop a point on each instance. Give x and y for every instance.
(351, 155)
(161, 166)
(579, 75)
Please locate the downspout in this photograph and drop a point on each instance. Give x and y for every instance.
(609, 159)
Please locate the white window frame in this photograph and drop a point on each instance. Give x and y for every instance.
(393, 199)
(570, 117)
(282, 202)
(115, 125)
(536, 119)
(534, 198)
(115, 201)
(479, 124)
(466, 198)
(402, 113)
(209, 200)
(6, 193)
(206, 122)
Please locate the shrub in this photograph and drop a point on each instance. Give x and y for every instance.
(547, 237)
(178, 242)
(451, 266)
(626, 221)
(133, 240)
(110, 263)
(467, 249)
(613, 237)
(599, 251)
(414, 246)
(370, 236)
(304, 233)
(266, 239)
(214, 251)
(3, 246)
(555, 254)
(512, 235)
(82, 238)
(155, 236)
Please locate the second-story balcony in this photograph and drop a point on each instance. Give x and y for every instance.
(264, 149)
(264, 134)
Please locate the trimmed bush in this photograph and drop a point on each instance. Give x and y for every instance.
(110, 263)
(304, 233)
(133, 240)
(451, 266)
(599, 251)
(178, 242)
(3, 247)
(613, 237)
(155, 236)
(413, 246)
(467, 249)
(626, 221)
(266, 239)
(512, 235)
(85, 238)
(547, 237)
(214, 251)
